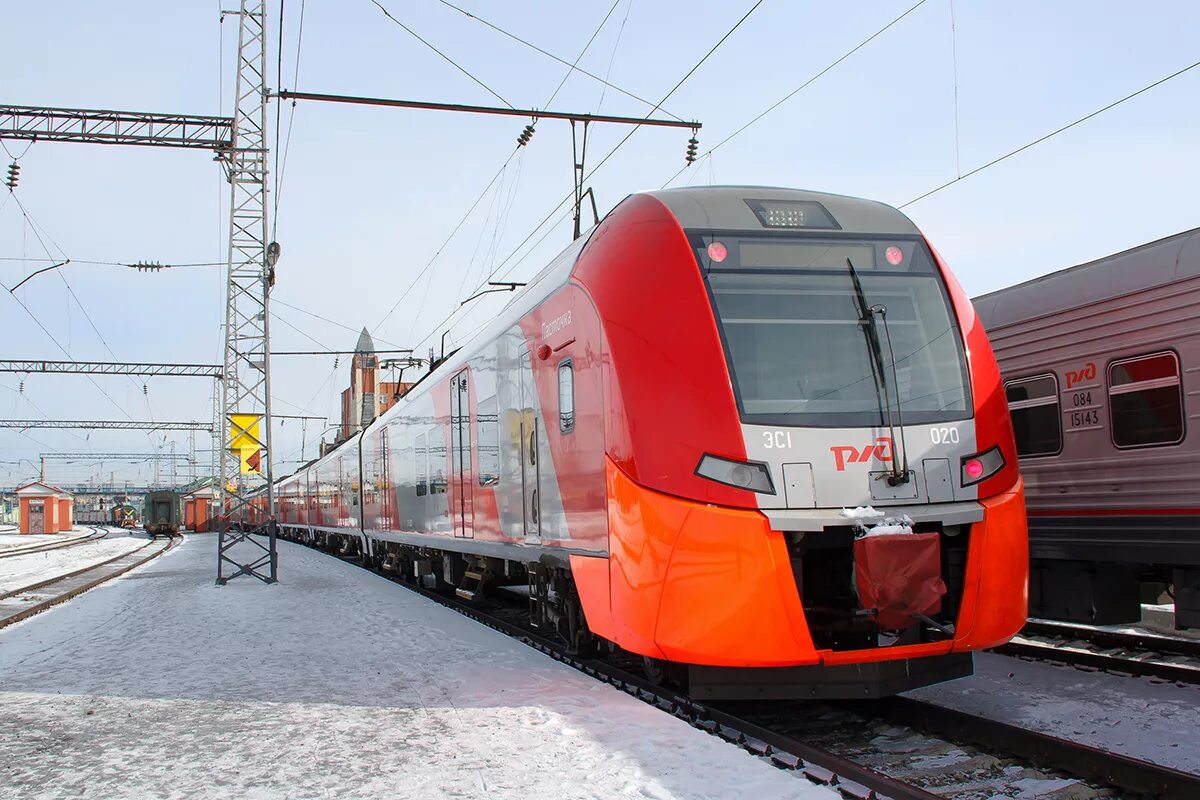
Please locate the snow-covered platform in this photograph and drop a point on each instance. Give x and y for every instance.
(333, 683)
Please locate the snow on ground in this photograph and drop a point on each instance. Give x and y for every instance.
(1133, 716)
(17, 572)
(333, 683)
(10, 541)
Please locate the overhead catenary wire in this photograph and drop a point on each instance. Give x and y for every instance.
(613, 57)
(754, 120)
(38, 232)
(454, 63)
(438, 252)
(550, 55)
(282, 159)
(598, 166)
(575, 64)
(333, 322)
(1052, 134)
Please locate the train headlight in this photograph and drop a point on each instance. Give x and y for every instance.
(981, 466)
(752, 475)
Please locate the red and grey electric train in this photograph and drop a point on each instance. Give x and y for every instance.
(679, 437)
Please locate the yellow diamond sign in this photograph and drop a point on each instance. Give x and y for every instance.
(243, 431)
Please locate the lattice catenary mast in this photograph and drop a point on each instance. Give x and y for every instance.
(246, 383)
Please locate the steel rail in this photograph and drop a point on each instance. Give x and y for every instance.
(74, 586)
(48, 546)
(1081, 760)
(1155, 643)
(35, 586)
(1071, 656)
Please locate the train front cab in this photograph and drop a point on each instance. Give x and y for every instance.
(728, 548)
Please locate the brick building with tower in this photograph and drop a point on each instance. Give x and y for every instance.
(367, 397)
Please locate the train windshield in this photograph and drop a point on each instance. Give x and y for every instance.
(798, 347)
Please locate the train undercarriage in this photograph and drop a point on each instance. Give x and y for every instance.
(554, 607)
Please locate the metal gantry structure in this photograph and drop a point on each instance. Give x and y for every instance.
(96, 126)
(109, 368)
(104, 424)
(89, 457)
(246, 385)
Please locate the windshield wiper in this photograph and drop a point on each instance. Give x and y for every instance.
(866, 319)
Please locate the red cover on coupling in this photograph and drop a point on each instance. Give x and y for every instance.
(899, 575)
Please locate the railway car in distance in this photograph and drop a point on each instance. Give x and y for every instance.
(123, 515)
(162, 513)
(1101, 364)
(733, 430)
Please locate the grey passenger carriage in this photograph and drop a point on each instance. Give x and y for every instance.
(1101, 364)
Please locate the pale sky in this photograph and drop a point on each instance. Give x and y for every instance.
(369, 195)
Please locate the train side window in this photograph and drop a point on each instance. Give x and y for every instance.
(489, 442)
(1146, 401)
(1037, 421)
(566, 396)
(422, 466)
(438, 483)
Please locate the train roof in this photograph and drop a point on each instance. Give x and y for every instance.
(711, 207)
(730, 208)
(1153, 264)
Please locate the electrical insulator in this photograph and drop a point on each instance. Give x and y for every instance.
(145, 390)
(693, 144)
(525, 136)
(148, 266)
(335, 362)
(14, 174)
(22, 387)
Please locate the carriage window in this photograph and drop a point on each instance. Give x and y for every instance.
(489, 442)
(438, 484)
(566, 396)
(422, 466)
(1146, 401)
(1033, 404)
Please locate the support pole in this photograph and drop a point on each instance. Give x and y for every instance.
(246, 387)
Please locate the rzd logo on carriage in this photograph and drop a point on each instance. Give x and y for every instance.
(880, 449)
(1088, 373)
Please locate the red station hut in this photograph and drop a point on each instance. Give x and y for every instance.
(44, 508)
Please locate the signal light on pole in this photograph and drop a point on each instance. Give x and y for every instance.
(14, 174)
(525, 136)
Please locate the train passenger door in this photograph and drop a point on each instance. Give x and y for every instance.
(530, 486)
(460, 455)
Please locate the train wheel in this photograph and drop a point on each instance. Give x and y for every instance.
(666, 674)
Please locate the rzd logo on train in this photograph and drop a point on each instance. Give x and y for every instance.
(880, 449)
(1088, 373)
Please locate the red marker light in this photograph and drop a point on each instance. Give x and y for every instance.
(894, 255)
(717, 252)
(973, 468)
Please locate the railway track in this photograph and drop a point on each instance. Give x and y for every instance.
(29, 600)
(1148, 655)
(898, 748)
(44, 547)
